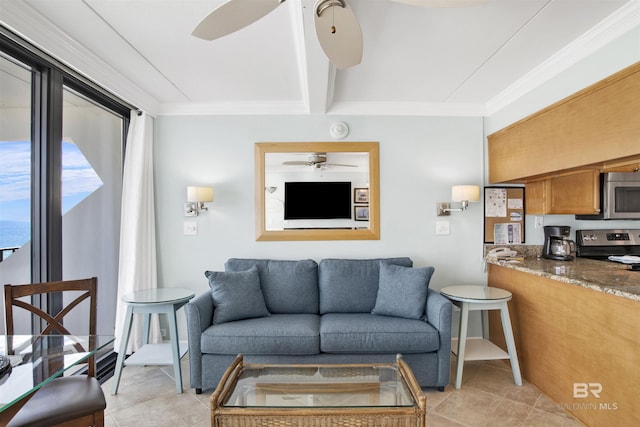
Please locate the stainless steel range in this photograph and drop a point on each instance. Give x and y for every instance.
(601, 244)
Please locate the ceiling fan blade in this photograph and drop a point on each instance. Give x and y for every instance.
(233, 16)
(296, 163)
(442, 3)
(338, 164)
(338, 32)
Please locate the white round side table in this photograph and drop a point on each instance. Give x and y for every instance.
(475, 298)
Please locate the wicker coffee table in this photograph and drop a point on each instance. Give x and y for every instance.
(363, 395)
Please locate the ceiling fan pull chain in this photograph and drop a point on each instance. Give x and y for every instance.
(326, 4)
(333, 20)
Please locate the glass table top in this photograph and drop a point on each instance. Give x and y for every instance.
(474, 293)
(159, 295)
(36, 360)
(320, 387)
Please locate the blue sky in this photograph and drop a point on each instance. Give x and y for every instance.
(78, 178)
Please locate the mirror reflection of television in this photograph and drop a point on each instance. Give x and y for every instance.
(317, 200)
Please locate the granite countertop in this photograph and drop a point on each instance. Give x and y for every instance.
(608, 277)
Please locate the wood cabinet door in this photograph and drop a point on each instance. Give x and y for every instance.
(571, 193)
(536, 196)
(575, 193)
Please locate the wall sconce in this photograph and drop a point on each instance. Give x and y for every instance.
(460, 193)
(196, 198)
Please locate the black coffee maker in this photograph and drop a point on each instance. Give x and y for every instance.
(557, 244)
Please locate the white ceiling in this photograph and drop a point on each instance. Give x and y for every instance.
(416, 61)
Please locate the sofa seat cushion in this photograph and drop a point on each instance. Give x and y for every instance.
(369, 333)
(276, 334)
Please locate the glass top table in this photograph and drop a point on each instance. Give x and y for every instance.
(319, 394)
(37, 359)
(474, 293)
(158, 296)
(317, 386)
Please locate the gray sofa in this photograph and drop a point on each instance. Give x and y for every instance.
(335, 311)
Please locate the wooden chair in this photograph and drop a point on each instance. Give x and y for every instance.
(70, 401)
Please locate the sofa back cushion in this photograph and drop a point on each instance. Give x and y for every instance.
(351, 285)
(236, 295)
(402, 291)
(289, 287)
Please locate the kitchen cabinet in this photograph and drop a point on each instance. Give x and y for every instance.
(568, 335)
(576, 192)
(596, 126)
(632, 165)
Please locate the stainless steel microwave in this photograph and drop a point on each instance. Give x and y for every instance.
(619, 196)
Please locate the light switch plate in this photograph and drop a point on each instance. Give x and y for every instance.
(190, 228)
(442, 228)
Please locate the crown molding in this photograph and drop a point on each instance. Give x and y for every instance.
(617, 24)
(407, 109)
(293, 108)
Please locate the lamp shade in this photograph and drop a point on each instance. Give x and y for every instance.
(200, 194)
(469, 193)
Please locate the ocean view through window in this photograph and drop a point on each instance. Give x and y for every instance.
(79, 180)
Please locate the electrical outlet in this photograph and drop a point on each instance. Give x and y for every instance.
(538, 221)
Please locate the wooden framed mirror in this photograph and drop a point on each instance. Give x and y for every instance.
(280, 165)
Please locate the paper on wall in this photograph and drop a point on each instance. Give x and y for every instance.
(496, 202)
(507, 233)
(515, 204)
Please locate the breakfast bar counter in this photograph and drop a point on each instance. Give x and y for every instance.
(576, 327)
(603, 276)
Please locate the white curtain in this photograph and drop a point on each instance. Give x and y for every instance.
(137, 267)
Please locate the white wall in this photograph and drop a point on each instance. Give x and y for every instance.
(612, 58)
(420, 158)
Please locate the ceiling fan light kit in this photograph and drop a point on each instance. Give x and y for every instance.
(338, 32)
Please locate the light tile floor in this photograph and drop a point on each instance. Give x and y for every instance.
(488, 397)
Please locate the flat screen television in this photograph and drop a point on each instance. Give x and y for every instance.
(317, 200)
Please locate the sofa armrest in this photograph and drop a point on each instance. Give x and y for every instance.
(200, 313)
(199, 317)
(439, 311)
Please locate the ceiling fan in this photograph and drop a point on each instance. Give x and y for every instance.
(337, 27)
(316, 160)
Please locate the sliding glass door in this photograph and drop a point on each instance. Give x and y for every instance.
(61, 157)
